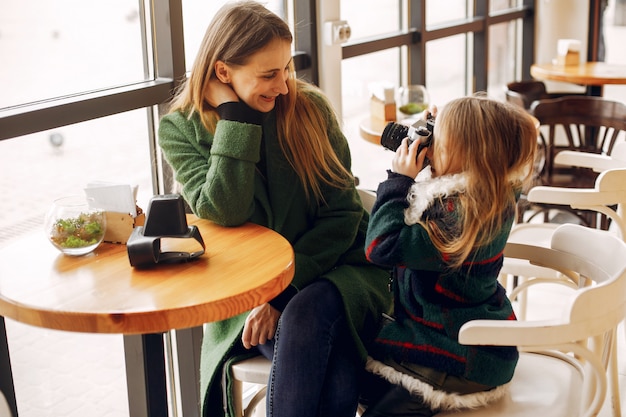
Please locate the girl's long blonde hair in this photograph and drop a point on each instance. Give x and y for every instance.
(496, 143)
(239, 30)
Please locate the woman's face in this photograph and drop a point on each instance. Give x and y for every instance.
(443, 159)
(264, 76)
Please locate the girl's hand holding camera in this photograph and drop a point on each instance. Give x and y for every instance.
(406, 161)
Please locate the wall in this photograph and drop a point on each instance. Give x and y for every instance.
(560, 19)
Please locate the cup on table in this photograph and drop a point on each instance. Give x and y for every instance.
(413, 99)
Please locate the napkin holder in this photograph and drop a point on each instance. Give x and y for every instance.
(383, 103)
(121, 225)
(568, 52)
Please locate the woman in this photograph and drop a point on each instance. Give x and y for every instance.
(250, 143)
(444, 233)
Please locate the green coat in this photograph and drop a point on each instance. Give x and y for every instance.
(223, 183)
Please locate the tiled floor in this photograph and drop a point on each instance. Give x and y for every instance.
(59, 374)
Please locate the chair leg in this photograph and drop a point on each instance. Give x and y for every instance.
(522, 300)
(614, 378)
(521, 297)
(238, 397)
(254, 402)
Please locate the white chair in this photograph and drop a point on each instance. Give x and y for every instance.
(5, 410)
(256, 370)
(609, 190)
(562, 367)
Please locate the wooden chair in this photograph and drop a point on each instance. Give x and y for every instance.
(607, 197)
(581, 123)
(256, 370)
(5, 410)
(525, 93)
(577, 123)
(564, 361)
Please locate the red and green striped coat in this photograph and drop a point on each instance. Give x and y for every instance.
(432, 302)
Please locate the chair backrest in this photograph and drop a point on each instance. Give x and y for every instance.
(578, 123)
(596, 162)
(368, 198)
(590, 317)
(575, 114)
(607, 197)
(619, 152)
(524, 93)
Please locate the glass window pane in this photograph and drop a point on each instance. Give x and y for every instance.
(438, 11)
(58, 373)
(502, 57)
(361, 14)
(359, 73)
(500, 5)
(369, 161)
(446, 72)
(197, 14)
(38, 168)
(65, 46)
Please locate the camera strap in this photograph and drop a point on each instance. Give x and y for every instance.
(146, 250)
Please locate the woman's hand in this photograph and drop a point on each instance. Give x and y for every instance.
(218, 93)
(406, 161)
(260, 325)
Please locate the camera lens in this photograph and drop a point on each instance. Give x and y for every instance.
(392, 135)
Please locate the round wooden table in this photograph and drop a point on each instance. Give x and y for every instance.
(594, 75)
(242, 268)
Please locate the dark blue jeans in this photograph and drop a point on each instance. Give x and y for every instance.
(315, 369)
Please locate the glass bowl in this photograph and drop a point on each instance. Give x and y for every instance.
(74, 226)
(413, 99)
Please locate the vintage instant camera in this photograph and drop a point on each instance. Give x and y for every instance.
(422, 131)
(165, 219)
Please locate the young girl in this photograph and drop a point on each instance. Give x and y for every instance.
(444, 233)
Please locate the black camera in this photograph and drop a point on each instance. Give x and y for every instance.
(422, 131)
(165, 219)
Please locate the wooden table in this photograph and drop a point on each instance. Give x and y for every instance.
(371, 129)
(594, 75)
(101, 293)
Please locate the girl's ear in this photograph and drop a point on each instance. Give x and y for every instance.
(222, 72)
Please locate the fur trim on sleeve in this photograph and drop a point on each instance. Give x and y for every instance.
(434, 398)
(426, 189)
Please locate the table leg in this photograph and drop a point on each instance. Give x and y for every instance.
(188, 346)
(146, 376)
(6, 374)
(595, 90)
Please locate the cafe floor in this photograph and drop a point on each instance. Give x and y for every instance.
(60, 374)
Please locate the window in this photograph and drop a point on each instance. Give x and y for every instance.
(77, 102)
(64, 47)
(454, 48)
(197, 15)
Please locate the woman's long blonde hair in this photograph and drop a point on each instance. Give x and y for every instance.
(496, 144)
(239, 30)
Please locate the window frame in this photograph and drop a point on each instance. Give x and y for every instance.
(419, 34)
(169, 68)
